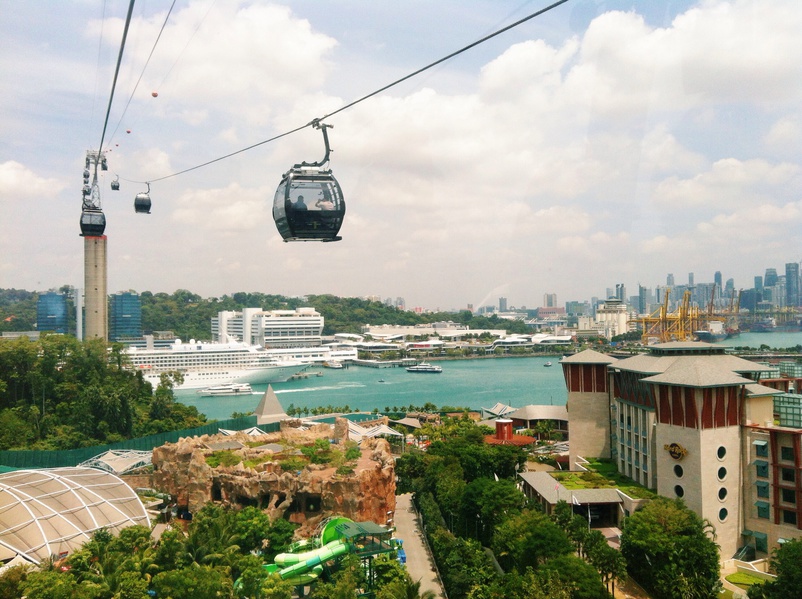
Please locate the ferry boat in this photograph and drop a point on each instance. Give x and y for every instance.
(424, 367)
(547, 365)
(229, 389)
(209, 364)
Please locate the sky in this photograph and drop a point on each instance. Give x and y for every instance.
(603, 142)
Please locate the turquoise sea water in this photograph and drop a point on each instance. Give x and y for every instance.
(467, 383)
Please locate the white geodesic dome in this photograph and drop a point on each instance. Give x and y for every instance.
(53, 512)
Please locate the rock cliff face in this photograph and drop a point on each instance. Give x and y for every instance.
(364, 489)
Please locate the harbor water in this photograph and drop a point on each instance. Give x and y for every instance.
(472, 384)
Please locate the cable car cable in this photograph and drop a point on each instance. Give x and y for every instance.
(315, 121)
(144, 68)
(116, 73)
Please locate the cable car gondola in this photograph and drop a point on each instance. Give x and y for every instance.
(115, 185)
(309, 204)
(93, 222)
(142, 202)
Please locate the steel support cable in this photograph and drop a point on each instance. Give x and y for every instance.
(144, 68)
(317, 121)
(114, 83)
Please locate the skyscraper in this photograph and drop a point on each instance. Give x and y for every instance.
(690, 279)
(125, 316)
(792, 284)
(770, 278)
(502, 304)
(549, 300)
(670, 280)
(51, 312)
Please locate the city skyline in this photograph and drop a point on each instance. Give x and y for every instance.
(599, 144)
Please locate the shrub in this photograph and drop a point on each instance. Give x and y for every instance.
(222, 458)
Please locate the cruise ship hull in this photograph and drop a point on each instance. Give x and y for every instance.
(208, 377)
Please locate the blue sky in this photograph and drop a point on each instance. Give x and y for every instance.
(602, 143)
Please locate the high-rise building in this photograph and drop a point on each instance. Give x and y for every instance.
(759, 284)
(502, 304)
(792, 284)
(125, 316)
(718, 282)
(770, 279)
(643, 305)
(549, 300)
(729, 288)
(51, 312)
(690, 279)
(670, 280)
(621, 292)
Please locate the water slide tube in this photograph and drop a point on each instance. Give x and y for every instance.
(301, 568)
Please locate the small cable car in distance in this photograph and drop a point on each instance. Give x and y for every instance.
(142, 202)
(309, 204)
(115, 185)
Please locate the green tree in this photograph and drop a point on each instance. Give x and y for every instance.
(578, 574)
(670, 551)
(786, 563)
(527, 540)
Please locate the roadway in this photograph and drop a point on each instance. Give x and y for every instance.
(420, 564)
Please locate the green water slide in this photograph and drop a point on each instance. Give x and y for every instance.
(301, 568)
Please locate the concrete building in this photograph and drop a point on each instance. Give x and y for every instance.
(302, 327)
(96, 311)
(689, 420)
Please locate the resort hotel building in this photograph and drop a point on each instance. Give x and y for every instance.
(302, 327)
(691, 421)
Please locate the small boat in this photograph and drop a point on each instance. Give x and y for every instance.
(333, 364)
(424, 367)
(228, 389)
(547, 364)
(382, 380)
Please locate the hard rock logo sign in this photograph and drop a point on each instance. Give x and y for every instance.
(676, 451)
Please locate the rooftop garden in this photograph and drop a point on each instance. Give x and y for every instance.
(602, 474)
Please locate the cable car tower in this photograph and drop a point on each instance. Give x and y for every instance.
(93, 226)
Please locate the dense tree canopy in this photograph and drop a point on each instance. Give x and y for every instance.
(189, 315)
(60, 393)
(670, 551)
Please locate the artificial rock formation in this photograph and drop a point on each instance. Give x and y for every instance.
(305, 496)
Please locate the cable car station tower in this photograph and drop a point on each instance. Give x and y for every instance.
(93, 225)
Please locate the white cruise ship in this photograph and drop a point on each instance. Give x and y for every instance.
(208, 364)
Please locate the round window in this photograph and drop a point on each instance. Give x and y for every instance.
(722, 493)
(722, 514)
(679, 491)
(722, 451)
(722, 473)
(678, 471)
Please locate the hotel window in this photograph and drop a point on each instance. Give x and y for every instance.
(789, 517)
(761, 449)
(722, 451)
(722, 514)
(722, 493)
(762, 509)
(787, 474)
(788, 496)
(678, 471)
(722, 473)
(787, 454)
(762, 488)
(679, 491)
(762, 468)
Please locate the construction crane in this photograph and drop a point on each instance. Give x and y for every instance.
(663, 326)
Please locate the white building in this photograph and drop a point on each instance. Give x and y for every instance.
(302, 327)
